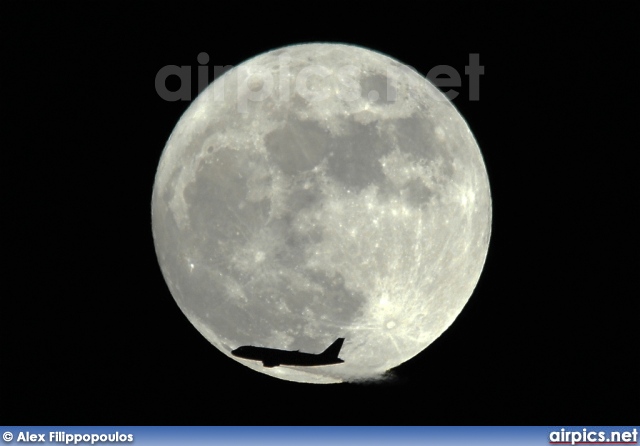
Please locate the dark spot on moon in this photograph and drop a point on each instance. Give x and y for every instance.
(298, 146)
(378, 88)
(416, 193)
(214, 196)
(417, 136)
(356, 154)
(352, 157)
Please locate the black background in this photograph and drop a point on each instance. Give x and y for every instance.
(90, 332)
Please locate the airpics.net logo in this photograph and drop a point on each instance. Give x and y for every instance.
(588, 436)
(175, 83)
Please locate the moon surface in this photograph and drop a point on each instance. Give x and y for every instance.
(320, 191)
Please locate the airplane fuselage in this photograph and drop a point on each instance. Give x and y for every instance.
(272, 357)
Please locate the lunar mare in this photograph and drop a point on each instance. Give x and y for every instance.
(321, 191)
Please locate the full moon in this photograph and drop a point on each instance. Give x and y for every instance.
(316, 192)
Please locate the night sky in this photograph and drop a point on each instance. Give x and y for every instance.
(90, 332)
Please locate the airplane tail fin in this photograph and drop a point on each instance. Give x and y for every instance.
(333, 350)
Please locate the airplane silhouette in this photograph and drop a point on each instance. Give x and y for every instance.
(272, 357)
